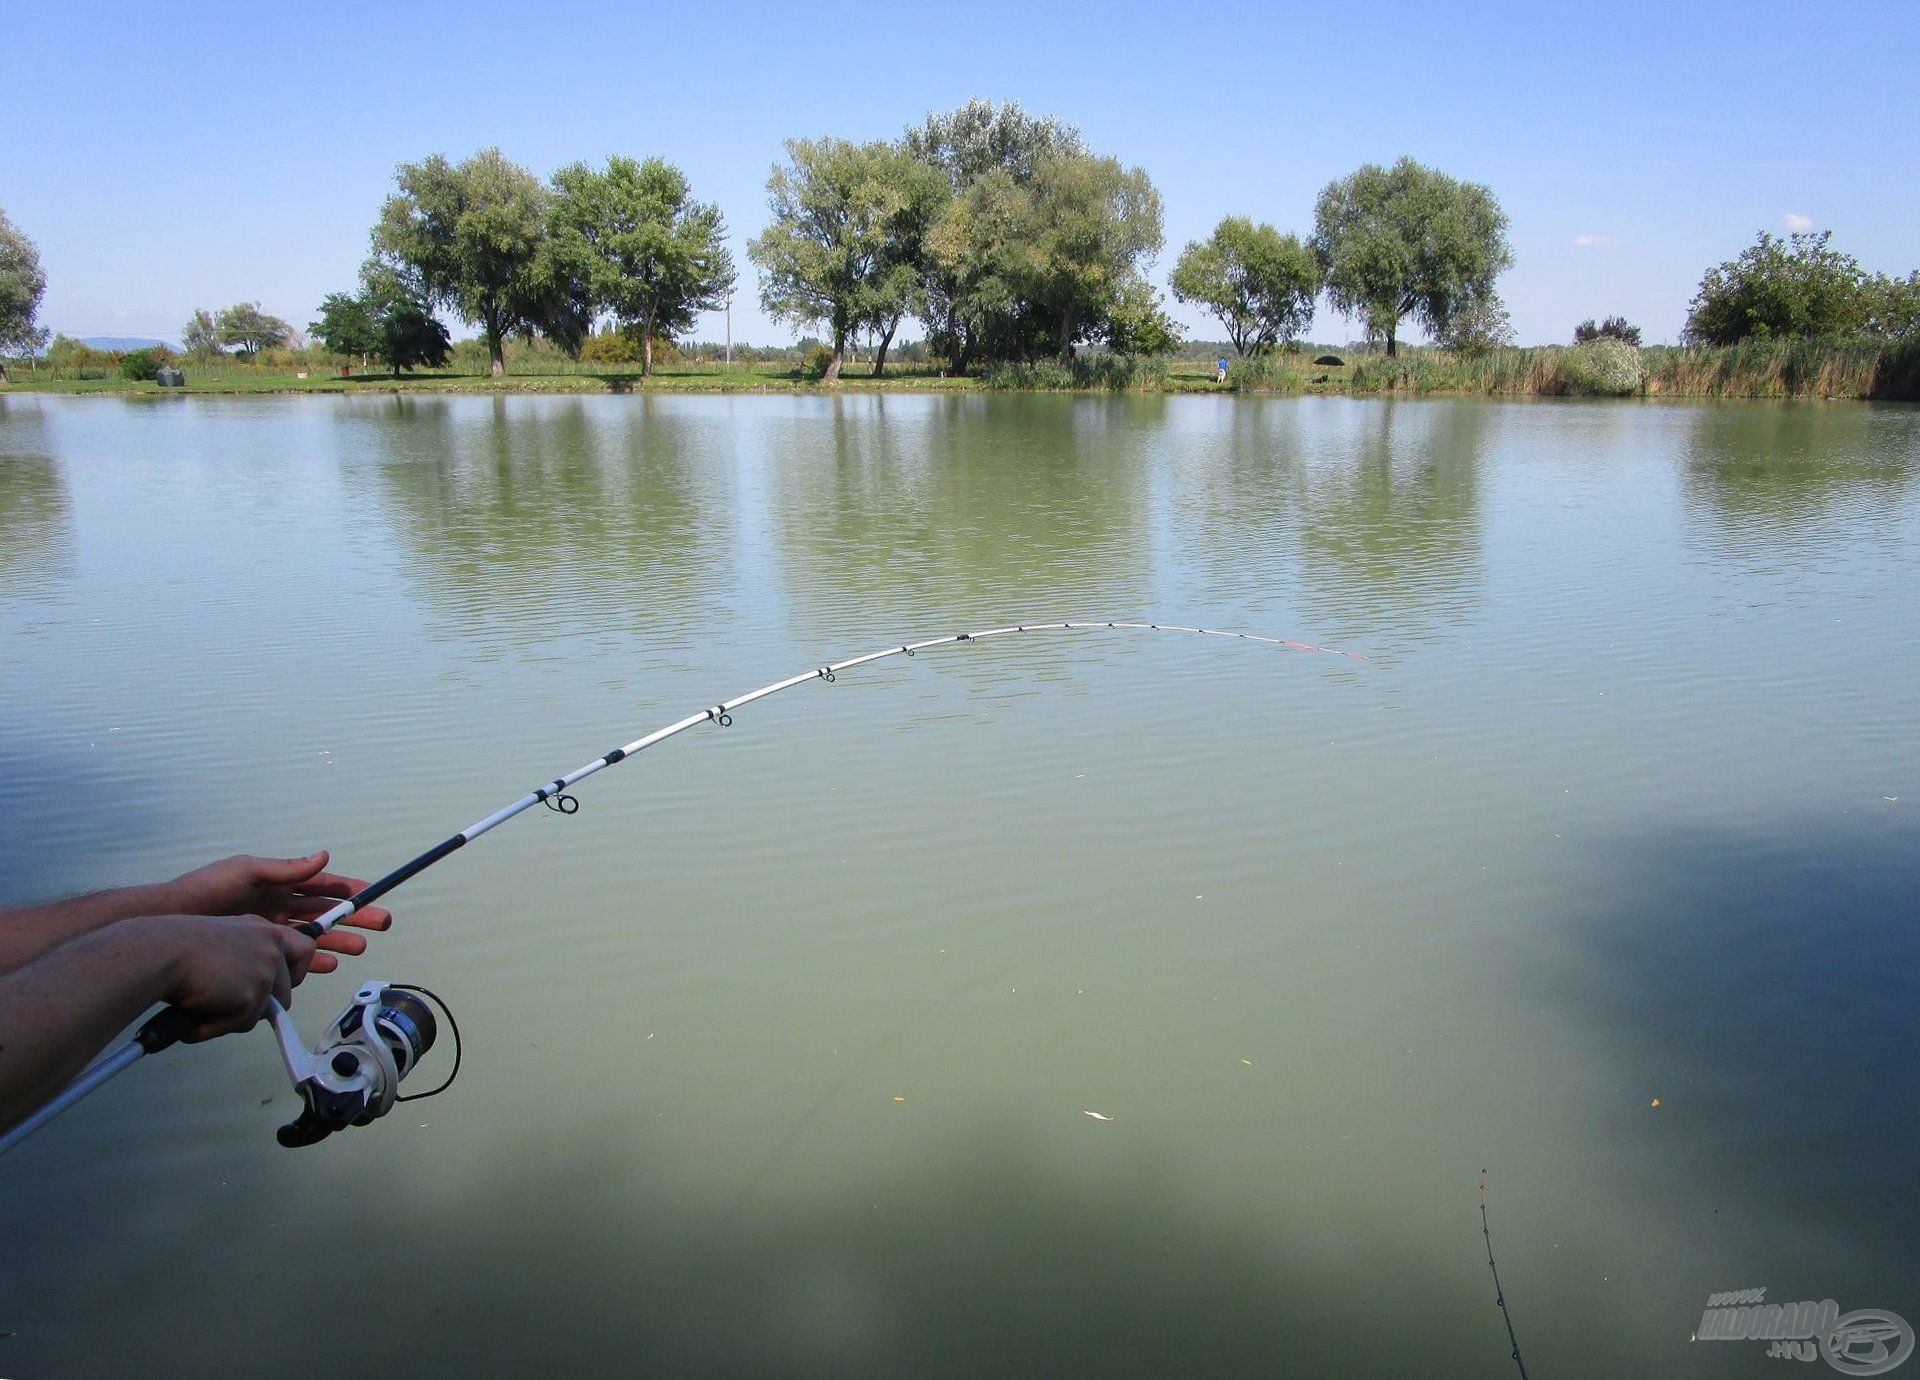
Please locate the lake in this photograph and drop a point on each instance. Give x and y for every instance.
(781, 1054)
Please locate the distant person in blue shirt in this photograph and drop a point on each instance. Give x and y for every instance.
(1220, 370)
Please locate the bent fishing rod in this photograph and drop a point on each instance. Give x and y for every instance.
(352, 1075)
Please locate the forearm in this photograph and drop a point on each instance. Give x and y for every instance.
(57, 1013)
(31, 932)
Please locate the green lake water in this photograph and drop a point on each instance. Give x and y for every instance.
(780, 1053)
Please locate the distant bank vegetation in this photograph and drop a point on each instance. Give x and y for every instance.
(1023, 255)
(1795, 368)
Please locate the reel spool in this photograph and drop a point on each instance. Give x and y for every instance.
(352, 1075)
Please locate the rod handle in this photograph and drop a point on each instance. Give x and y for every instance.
(164, 1029)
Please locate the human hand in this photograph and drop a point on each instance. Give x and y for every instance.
(220, 970)
(284, 890)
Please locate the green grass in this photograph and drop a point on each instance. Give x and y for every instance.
(536, 377)
(1757, 369)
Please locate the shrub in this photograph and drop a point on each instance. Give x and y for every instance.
(142, 366)
(68, 353)
(1111, 373)
(610, 347)
(1403, 373)
(1613, 328)
(1268, 373)
(815, 361)
(1606, 367)
(1480, 327)
(1777, 289)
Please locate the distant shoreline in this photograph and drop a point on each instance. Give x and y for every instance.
(1836, 370)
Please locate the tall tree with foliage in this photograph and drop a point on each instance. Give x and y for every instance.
(1084, 230)
(1479, 327)
(1260, 283)
(472, 237)
(645, 250)
(345, 326)
(383, 320)
(246, 328)
(408, 335)
(1896, 307)
(844, 244)
(1408, 241)
(23, 284)
(963, 301)
(200, 337)
(1046, 261)
(1137, 322)
(1778, 289)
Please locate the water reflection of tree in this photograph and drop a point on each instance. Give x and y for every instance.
(1366, 512)
(1390, 520)
(546, 517)
(35, 518)
(1782, 484)
(909, 511)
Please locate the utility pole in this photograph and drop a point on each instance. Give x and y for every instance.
(729, 327)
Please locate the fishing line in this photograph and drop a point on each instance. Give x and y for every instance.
(170, 1025)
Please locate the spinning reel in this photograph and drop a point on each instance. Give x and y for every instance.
(352, 1075)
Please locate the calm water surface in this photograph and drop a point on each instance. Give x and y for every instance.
(779, 1053)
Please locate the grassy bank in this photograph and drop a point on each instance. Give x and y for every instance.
(1776, 369)
(1756, 369)
(573, 378)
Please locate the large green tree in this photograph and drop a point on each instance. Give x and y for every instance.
(643, 248)
(844, 246)
(1082, 233)
(1260, 283)
(1798, 286)
(1408, 241)
(246, 328)
(472, 237)
(963, 301)
(22, 286)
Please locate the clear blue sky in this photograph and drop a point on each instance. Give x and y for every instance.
(167, 157)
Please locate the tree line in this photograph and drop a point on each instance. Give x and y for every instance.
(1001, 232)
